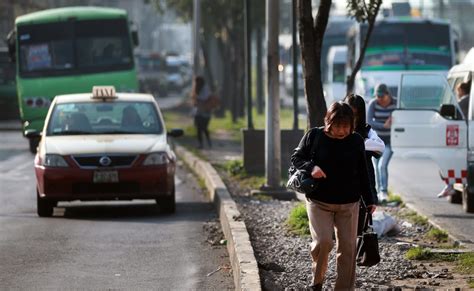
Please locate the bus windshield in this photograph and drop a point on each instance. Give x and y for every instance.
(74, 47)
(408, 46)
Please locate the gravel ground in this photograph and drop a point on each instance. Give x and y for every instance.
(285, 264)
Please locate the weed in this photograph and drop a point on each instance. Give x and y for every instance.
(298, 220)
(394, 198)
(418, 253)
(437, 235)
(262, 197)
(413, 217)
(235, 168)
(465, 264)
(471, 282)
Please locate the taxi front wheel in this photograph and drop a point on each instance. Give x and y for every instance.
(167, 204)
(45, 207)
(467, 200)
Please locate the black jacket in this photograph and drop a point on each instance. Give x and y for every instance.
(343, 161)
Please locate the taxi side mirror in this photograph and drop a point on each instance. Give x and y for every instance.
(175, 132)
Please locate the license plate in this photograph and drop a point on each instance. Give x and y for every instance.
(106, 177)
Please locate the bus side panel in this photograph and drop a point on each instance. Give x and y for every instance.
(35, 94)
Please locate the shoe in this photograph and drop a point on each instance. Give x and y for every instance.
(382, 196)
(448, 190)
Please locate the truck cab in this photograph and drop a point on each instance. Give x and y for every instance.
(429, 123)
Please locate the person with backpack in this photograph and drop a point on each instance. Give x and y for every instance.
(374, 146)
(338, 162)
(201, 97)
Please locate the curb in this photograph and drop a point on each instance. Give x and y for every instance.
(463, 243)
(242, 258)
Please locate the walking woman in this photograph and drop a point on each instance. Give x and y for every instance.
(340, 164)
(202, 113)
(374, 146)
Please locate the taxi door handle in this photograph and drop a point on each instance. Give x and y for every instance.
(399, 129)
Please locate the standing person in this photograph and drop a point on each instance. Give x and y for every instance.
(202, 113)
(339, 164)
(379, 117)
(374, 146)
(462, 92)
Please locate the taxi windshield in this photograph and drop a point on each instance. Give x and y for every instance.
(104, 118)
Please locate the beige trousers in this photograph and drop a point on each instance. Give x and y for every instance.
(325, 218)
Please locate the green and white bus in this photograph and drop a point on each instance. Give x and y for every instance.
(69, 50)
(400, 45)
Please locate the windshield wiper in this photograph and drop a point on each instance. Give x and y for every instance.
(72, 132)
(119, 132)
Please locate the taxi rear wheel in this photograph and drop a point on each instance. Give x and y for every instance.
(45, 207)
(456, 198)
(167, 204)
(468, 201)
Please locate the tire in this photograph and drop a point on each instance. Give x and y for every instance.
(45, 207)
(167, 204)
(33, 142)
(468, 201)
(456, 198)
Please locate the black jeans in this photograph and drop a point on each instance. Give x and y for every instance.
(202, 123)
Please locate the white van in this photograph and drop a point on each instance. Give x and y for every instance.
(336, 74)
(429, 123)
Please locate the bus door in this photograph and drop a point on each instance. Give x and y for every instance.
(429, 124)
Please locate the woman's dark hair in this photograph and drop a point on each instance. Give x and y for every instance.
(339, 113)
(198, 84)
(358, 103)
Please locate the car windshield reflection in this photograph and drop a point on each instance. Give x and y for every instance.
(99, 118)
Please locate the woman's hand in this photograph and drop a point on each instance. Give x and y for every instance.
(371, 208)
(317, 173)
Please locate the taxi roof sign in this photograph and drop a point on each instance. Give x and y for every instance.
(103, 92)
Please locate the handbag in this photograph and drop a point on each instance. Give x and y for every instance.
(301, 180)
(368, 245)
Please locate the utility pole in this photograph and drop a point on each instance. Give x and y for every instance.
(295, 65)
(272, 106)
(248, 62)
(196, 36)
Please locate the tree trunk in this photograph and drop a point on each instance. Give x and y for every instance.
(207, 64)
(311, 39)
(358, 64)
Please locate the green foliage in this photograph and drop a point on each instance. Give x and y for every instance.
(465, 264)
(394, 198)
(298, 221)
(262, 197)
(413, 217)
(362, 11)
(437, 235)
(418, 253)
(235, 168)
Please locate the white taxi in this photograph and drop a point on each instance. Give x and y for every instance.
(104, 146)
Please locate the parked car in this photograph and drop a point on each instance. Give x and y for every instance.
(104, 146)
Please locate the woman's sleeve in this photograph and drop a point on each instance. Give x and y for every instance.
(374, 143)
(364, 176)
(301, 157)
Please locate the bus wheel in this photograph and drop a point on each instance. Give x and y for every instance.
(33, 144)
(468, 201)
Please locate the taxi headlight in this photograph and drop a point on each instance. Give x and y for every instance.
(54, 161)
(156, 159)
